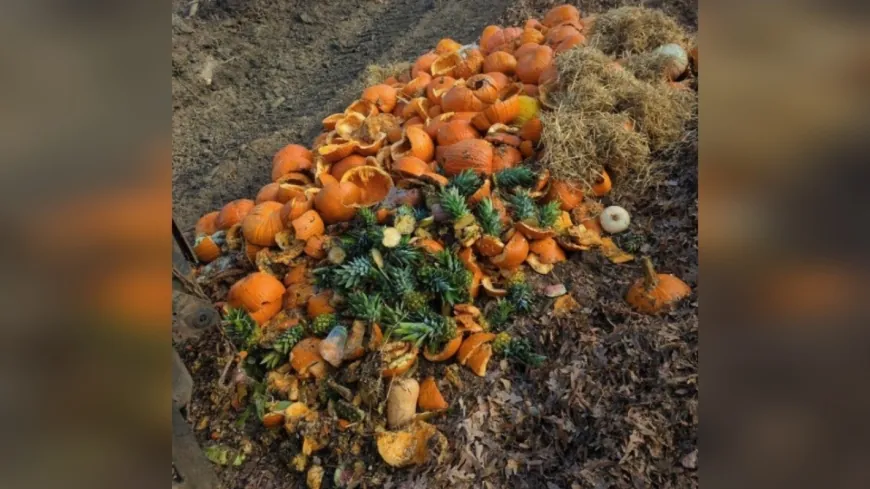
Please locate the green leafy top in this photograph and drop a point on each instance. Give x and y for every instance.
(364, 306)
(518, 176)
(466, 182)
(447, 278)
(548, 214)
(488, 217)
(241, 328)
(453, 203)
(523, 206)
(433, 330)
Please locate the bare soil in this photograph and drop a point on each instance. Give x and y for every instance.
(616, 404)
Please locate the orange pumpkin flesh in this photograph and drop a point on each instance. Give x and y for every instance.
(430, 398)
(471, 344)
(603, 186)
(291, 158)
(514, 254)
(446, 353)
(548, 251)
(374, 184)
(320, 304)
(478, 360)
(569, 195)
(656, 292)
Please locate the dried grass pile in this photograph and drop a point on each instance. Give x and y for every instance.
(633, 30)
(614, 115)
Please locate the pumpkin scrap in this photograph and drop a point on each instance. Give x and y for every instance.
(430, 398)
(407, 447)
(656, 292)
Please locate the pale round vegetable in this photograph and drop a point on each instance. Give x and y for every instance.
(678, 59)
(614, 219)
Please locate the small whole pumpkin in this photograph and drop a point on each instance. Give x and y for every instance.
(233, 213)
(656, 292)
(336, 201)
(262, 224)
(260, 294)
(468, 154)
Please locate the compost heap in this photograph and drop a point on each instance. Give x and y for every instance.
(406, 233)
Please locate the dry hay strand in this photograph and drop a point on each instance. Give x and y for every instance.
(586, 81)
(658, 110)
(375, 74)
(579, 145)
(648, 67)
(633, 30)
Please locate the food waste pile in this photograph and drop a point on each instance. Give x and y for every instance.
(429, 216)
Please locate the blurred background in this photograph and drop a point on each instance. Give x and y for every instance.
(85, 140)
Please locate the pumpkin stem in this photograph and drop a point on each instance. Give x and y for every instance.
(651, 279)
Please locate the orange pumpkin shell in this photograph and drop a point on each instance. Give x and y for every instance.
(430, 398)
(548, 251)
(468, 154)
(471, 64)
(481, 193)
(484, 87)
(290, 158)
(267, 193)
(603, 185)
(206, 249)
(656, 292)
(319, 304)
(259, 294)
(501, 112)
(336, 201)
(307, 225)
(532, 130)
(423, 63)
(415, 143)
(207, 224)
(438, 87)
(446, 353)
(501, 62)
(455, 131)
(314, 247)
(531, 64)
(514, 254)
(383, 96)
(505, 156)
(446, 64)
(569, 195)
(233, 213)
(447, 45)
(461, 99)
(338, 169)
(373, 182)
(560, 14)
(262, 224)
(471, 344)
(417, 86)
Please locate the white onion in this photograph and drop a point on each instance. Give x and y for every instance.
(614, 219)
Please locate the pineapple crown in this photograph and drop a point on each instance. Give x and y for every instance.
(364, 306)
(524, 206)
(518, 176)
(453, 203)
(489, 218)
(466, 182)
(500, 314)
(548, 214)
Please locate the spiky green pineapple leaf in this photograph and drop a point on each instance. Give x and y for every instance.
(404, 254)
(521, 295)
(523, 206)
(520, 350)
(466, 182)
(364, 306)
(548, 214)
(488, 217)
(323, 324)
(453, 203)
(241, 328)
(518, 176)
(500, 314)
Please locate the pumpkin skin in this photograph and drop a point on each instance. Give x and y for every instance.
(505, 156)
(461, 99)
(548, 251)
(291, 158)
(484, 87)
(438, 87)
(532, 130)
(445, 65)
(206, 249)
(207, 224)
(655, 293)
(374, 184)
(417, 86)
(455, 131)
(233, 213)
(336, 201)
(469, 154)
(416, 143)
(471, 65)
(569, 195)
(603, 186)
(383, 96)
(532, 63)
(262, 224)
(447, 45)
(531, 35)
(410, 167)
(560, 14)
(307, 225)
(514, 254)
(269, 192)
(338, 170)
(260, 294)
(502, 111)
(501, 62)
(430, 398)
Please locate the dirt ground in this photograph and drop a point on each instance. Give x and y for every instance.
(617, 403)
